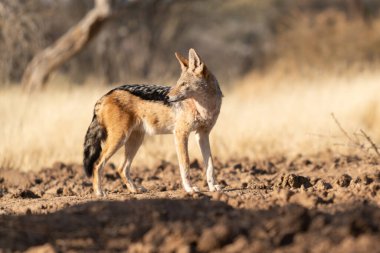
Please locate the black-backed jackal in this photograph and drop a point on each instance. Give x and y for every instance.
(125, 114)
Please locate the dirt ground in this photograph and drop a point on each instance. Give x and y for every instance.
(323, 203)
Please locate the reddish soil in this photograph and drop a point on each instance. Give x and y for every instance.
(324, 203)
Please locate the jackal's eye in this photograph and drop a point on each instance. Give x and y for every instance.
(183, 84)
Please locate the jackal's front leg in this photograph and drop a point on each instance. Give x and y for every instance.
(181, 141)
(204, 144)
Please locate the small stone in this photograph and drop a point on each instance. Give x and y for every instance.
(292, 181)
(27, 194)
(344, 180)
(195, 164)
(322, 185)
(257, 171)
(38, 181)
(223, 183)
(59, 191)
(307, 162)
(238, 166)
(374, 189)
(364, 179)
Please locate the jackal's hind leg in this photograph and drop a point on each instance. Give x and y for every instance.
(131, 147)
(204, 144)
(112, 144)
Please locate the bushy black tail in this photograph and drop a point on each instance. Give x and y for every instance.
(92, 145)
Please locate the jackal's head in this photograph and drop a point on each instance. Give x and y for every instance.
(195, 79)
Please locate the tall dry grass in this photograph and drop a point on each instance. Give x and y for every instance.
(261, 117)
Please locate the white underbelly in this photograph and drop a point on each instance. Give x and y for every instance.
(153, 129)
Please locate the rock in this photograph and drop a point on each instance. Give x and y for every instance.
(3, 191)
(364, 179)
(38, 180)
(257, 171)
(59, 191)
(27, 194)
(112, 176)
(292, 181)
(321, 185)
(344, 180)
(374, 189)
(195, 164)
(223, 183)
(238, 166)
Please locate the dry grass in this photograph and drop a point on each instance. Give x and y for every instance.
(261, 118)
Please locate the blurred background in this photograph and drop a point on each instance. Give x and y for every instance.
(284, 66)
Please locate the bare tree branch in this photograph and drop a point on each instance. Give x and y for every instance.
(38, 70)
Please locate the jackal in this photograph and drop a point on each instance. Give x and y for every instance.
(125, 114)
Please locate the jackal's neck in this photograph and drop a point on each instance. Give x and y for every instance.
(208, 102)
(213, 84)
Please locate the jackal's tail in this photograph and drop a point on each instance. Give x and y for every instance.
(92, 145)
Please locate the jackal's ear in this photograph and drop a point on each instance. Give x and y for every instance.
(182, 61)
(195, 62)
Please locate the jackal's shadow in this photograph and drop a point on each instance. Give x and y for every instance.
(192, 223)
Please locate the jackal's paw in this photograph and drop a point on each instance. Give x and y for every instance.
(138, 189)
(100, 194)
(215, 188)
(191, 189)
(141, 189)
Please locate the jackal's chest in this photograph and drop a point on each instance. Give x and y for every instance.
(203, 116)
(206, 119)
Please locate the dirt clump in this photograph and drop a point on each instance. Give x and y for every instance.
(26, 194)
(293, 181)
(344, 180)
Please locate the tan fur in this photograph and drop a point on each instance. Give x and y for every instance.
(196, 101)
